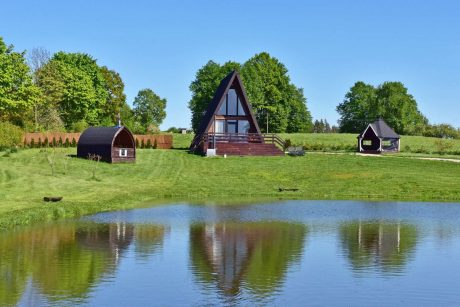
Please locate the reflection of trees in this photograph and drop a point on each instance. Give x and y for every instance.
(63, 260)
(382, 245)
(255, 255)
(148, 239)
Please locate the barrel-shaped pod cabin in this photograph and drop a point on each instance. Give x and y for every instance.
(112, 144)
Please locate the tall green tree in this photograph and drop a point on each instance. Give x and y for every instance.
(356, 111)
(269, 89)
(116, 98)
(391, 101)
(74, 85)
(70, 91)
(149, 108)
(398, 108)
(18, 94)
(204, 86)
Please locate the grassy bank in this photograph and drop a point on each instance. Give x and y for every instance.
(345, 142)
(161, 175)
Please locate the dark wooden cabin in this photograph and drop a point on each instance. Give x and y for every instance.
(112, 144)
(378, 137)
(229, 126)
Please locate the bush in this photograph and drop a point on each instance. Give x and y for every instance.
(443, 146)
(79, 126)
(10, 135)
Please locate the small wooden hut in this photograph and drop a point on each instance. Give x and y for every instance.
(378, 137)
(229, 127)
(112, 144)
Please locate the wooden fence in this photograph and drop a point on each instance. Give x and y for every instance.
(64, 139)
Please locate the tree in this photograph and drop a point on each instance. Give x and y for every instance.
(398, 108)
(204, 86)
(149, 109)
(391, 101)
(82, 67)
(116, 98)
(17, 92)
(273, 98)
(70, 91)
(73, 84)
(356, 111)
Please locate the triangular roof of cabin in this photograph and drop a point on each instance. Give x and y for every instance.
(232, 79)
(382, 130)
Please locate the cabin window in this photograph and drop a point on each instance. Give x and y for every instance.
(240, 108)
(220, 126)
(223, 107)
(243, 126)
(367, 142)
(232, 102)
(231, 126)
(123, 152)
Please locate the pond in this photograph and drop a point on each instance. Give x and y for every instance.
(280, 253)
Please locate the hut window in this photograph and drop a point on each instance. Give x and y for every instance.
(367, 142)
(123, 152)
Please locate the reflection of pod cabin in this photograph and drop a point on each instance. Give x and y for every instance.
(229, 126)
(378, 137)
(112, 144)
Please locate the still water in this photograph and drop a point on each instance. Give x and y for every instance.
(286, 253)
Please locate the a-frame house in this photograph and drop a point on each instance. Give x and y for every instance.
(229, 126)
(378, 137)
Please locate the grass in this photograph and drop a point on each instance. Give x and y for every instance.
(348, 142)
(175, 175)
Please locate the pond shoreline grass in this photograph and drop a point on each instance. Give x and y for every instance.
(164, 176)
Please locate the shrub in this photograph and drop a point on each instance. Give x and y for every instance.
(10, 135)
(74, 142)
(79, 126)
(155, 144)
(287, 143)
(149, 144)
(443, 146)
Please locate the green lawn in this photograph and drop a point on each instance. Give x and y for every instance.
(348, 142)
(340, 142)
(163, 175)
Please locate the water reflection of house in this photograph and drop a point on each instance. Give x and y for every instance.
(114, 238)
(383, 245)
(251, 255)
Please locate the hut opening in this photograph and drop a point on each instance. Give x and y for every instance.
(378, 137)
(112, 144)
(229, 126)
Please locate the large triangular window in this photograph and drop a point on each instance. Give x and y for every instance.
(231, 105)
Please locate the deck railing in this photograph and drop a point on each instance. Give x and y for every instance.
(270, 138)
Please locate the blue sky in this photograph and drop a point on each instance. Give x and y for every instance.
(326, 45)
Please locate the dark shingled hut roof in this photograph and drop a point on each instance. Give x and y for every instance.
(382, 130)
